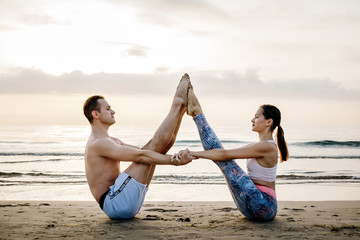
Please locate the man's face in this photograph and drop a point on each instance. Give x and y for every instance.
(106, 114)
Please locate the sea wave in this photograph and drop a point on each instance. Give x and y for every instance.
(34, 161)
(66, 157)
(324, 157)
(16, 178)
(40, 174)
(199, 142)
(220, 179)
(329, 143)
(39, 154)
(322, 177)
(28, 142)
(32, 182)
(319, 143)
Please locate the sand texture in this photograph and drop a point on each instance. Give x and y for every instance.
(178, 220)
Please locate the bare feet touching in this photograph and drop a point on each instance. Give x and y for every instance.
(193, 105)
(185, 97)
(182, 91)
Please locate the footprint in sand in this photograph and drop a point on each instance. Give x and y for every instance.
(152, 218)
(160, 210)
(298, 209)
(183, 219)
(226, 209)
(290, 220)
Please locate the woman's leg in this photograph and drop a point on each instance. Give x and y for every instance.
(254, 204)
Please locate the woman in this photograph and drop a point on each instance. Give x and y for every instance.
(253, 193)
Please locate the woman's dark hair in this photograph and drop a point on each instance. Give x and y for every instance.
(272, 112)
(90, 105)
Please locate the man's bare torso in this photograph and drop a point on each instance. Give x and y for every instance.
(100, 172)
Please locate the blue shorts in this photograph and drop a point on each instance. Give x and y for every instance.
(125, 198)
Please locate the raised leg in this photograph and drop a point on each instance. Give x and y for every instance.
(165, 135)
(247, 197)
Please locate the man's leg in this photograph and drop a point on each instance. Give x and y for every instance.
(165, 135)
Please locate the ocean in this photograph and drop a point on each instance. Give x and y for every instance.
(47, 163)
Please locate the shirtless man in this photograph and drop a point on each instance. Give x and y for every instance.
(121, 194)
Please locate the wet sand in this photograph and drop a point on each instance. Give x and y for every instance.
(178, 220)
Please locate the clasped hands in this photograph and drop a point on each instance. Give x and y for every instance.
(182, 157)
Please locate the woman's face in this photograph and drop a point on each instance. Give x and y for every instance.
(259, 123)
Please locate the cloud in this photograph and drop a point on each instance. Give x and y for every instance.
(134, 52)
(249, 84)
(15, 14)
(132, 49)
(217, 83)
(176, 13)
(37, 19)
(23, 80)
(127, 44)
(6, 27)
(161, 70)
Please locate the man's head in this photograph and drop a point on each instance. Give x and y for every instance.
(90, 105)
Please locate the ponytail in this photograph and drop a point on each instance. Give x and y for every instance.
(272, 112)
(284, 153)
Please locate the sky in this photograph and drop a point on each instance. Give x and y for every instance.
(302, 56)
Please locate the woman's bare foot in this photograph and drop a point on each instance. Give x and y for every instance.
(181, 94)
(193, 105)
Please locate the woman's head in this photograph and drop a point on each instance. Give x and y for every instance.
(267, 117)
(272, 112)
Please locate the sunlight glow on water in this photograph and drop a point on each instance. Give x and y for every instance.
(35, 160)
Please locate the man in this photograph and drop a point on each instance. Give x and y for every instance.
(121, 194)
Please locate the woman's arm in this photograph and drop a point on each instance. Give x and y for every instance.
(254, 150)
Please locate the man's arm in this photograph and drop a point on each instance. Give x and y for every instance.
(108, 149)
(118, 141)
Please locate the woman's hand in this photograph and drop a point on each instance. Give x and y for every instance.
(185, 154)
(182, 157)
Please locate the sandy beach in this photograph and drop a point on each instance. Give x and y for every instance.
(178, 220)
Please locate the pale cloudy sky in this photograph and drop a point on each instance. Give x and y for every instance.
(303, 56)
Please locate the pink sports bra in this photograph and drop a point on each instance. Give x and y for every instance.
(258, 172)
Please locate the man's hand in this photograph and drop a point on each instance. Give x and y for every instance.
(182, 158)
(185, 156)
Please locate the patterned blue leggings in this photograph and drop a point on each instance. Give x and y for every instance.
(254, 204)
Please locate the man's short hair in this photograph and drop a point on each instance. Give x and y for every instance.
(90, 105)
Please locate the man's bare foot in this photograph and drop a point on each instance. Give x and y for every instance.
(193, 107)
(182, 91)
